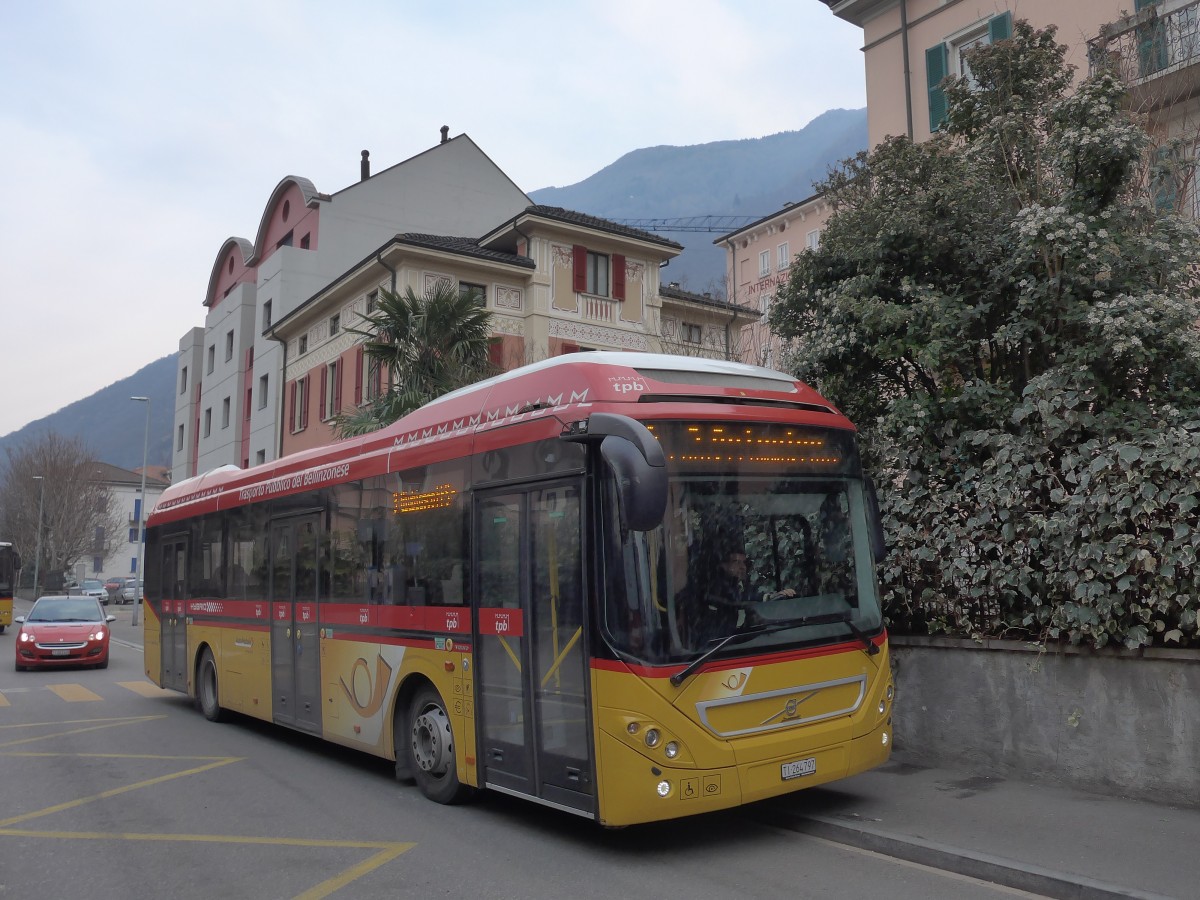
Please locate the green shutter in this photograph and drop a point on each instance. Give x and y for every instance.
(937, 66)
(1164, 180)
(1139, 5)
(1000, 27)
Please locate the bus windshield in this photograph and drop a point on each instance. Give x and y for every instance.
(744, 549)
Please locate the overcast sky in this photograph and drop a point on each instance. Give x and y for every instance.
(136, 137)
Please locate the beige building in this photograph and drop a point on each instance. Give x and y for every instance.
(556, 281)
(910, 46)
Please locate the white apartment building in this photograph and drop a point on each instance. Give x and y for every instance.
(229, 383)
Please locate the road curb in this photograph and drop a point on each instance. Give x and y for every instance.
(958, 860)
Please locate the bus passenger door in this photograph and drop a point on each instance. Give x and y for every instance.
(173, 614)
(532, 678)
(295, 646)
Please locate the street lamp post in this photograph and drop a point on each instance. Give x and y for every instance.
(37, 556)
(141, 516)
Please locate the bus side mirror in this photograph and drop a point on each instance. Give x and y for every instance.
(637, 462)
(879, 547)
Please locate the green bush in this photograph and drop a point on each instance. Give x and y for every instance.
(1011, 319)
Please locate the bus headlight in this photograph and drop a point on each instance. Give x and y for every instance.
(885, 738)
(891, 692)
(664, 788)
(671, 750)
(882, 706)
(653, 736)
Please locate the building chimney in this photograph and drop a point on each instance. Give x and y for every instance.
(445, 133)
(365, 165)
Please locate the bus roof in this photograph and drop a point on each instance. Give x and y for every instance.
(573, 385)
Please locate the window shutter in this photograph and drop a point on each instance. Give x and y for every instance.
(1151, 42)
(568, 348)
(358, 374)
(937, 64)
(305, 402)
(324, 386)
(1000, 27)
(292, 406)
(618, 279)
(496, 353)
(337, 387)
(1163, 181)
(579, 268)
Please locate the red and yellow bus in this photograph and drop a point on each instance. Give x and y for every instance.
(628, 586)
(10, 564)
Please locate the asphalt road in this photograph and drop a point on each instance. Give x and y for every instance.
(114, 788)
(111, 787)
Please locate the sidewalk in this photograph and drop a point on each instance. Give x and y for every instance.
(1039, 838)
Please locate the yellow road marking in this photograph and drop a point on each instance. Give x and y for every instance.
(325, 888)
(72, 804)
(74, 693)
(43, 737)
(388, 850)
(3, 700)
(146, 688)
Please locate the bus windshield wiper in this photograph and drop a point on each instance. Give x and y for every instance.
(868, 645)
(766, 628)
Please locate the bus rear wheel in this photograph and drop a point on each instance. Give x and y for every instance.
(207, 695)
(431, 749)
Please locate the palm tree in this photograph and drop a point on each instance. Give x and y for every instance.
(429, 346)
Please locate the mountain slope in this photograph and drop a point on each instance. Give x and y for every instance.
(111, 425)
(752, 177)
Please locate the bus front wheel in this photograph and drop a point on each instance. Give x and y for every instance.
(431, 749)
(207, 695)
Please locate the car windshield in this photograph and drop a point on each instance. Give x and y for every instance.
(65, 609)
(93, 585)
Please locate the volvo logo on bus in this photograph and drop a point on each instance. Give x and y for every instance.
(790, 709)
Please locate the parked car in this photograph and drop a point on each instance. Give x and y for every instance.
(131, 590)
(63, 631)
(92, 587)
(114, 585)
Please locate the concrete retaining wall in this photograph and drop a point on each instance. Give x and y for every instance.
(1125, 723)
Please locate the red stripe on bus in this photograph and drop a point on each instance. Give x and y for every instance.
(616, 665)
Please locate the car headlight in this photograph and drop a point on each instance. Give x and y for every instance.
(97, 635)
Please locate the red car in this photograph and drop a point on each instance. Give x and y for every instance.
(63, 631)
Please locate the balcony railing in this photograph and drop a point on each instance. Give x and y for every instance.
(1148, 47)
(599, 309)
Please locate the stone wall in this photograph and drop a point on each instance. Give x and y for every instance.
(1118, 722)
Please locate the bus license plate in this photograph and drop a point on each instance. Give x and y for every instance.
(57, 652)
(799, 767)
